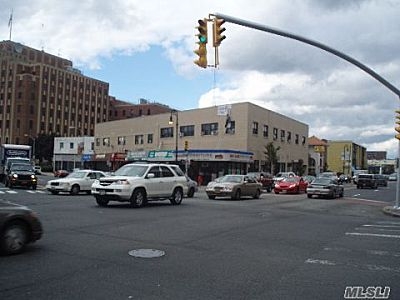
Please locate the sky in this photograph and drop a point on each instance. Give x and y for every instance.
(144, 49)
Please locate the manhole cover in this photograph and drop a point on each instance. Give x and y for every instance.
(146, 253)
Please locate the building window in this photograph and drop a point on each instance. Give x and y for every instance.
(265, 131)
(187, 130)
(150, 138)
(139, 139)
(121, 140)
(296, 140)
(166, 132)
(71, 145)
(275, 136)
(289, 136)
(282, 135)
(97, 142)
(61, 145)
(255, 127)
(209, 129)
(106, 142)
(303, 140)
(230, 127)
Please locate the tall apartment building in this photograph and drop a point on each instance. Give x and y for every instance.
(43, 94)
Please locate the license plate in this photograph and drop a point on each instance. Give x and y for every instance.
(102, 192)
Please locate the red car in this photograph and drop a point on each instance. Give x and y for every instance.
(291, 185)
(61, 173)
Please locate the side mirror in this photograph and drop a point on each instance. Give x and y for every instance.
(150, 175)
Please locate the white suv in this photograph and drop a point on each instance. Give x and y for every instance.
(138, 183)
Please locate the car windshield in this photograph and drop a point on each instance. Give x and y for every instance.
(131, 170)
(77, 175)
(322, 181)
(231, 178)
(21, 167)
(290, 179)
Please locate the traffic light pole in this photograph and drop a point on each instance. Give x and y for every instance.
(351, 60)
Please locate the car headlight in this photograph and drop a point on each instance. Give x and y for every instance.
(33, 177)
(121, 182)
(15, 175)
(292, 186)
(96, 181)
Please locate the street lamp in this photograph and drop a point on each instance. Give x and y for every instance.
(345, 150)
(33, 145)
(171, 121)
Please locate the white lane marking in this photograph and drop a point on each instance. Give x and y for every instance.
(359, 266)
(12, 192)
(374, 234)
(320, 261)
(382, 226)
(372, 252)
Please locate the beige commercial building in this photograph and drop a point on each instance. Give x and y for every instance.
(218, 140)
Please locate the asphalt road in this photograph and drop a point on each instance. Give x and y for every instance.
(276, 247)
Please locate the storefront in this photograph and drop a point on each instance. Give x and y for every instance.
(202, 165)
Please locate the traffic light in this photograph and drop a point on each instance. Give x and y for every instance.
(217, 31)
(202, 42)
(397, 128)
(186, 145)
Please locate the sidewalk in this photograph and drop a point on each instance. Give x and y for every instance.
(392, 211)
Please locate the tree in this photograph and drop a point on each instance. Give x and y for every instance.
(44, 147)
(300, 167)
(271, 156)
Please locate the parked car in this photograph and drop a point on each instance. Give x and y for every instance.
(325, 187)
(264, 178)
(21, 174)
(74, 183)
(139, 183)
(381, 180)
(308, 178)
(235, 187)
(328, 175)
(393, 177)
(38, 170)
(61, 173)
(19, 226)
(367, 180)
(294, 184)
(192, 187)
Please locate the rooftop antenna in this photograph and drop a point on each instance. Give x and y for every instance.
(10, 22)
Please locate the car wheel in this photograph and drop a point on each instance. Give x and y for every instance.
(257, 194)
(309, 196)
(211, 197)
(177, 196)
(14, 238)
(191, 192)
(276, 192)
(88, 192)
(75, 189)
(54, 192)
(101, 201)
(341, 194)
(138, 198)
(34, 187)
(237, 195)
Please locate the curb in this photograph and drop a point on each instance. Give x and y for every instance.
(392, 211)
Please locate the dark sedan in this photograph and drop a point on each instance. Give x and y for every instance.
(19, 226)
(325, 187)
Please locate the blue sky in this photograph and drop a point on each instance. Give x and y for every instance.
(144, 49)
(150, 75)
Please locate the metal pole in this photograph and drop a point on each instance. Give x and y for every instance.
(176, 138)
(396, 204)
